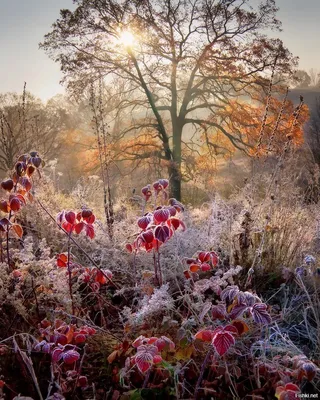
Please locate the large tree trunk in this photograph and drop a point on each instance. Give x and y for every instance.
(175, 165)
(175, 180)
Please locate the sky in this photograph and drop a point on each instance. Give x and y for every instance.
(23, 23)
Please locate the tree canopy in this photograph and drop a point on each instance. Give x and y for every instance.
(187, 66)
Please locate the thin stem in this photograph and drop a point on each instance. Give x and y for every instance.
(203, 368)
(146, 379)
(155, 267)
(69, 273)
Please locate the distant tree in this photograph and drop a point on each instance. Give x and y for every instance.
(313, 132)
(302, 78)
(27, 124)
(185, 63)
(314, 77)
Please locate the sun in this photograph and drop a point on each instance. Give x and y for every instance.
(126, 38)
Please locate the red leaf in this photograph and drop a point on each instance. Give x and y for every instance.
(164, 183)
(174, 223)
(147, 236)
(194, 267)
(292, 387)
(144, 357)
(222, 341)
(7, 185)
(67, 227)
(36, 161)
(138, 341)
(70, 217)
(214, 258)
(241, 326)
(56, 354)
(18, 229)
(162, 233)
(146, 192)
(30, 170)
(309, 370)
(82, 381)
(86, 213)
(144, 221)
(157, 186)
(161, 215)
(90, 220)
(61, 263)
(70, 356)
(60, 338)
(100, 277)
(205, 267)
(15, 204)
(206, 335)
(79, 338)
(25, 182)
(79, 227)
(63, 257)
(218, 311)
(90, 231)
(157, 359)
(129, 247)
(187, 274)
(172, 211)
(164, 343)
(204, 256)
(4, 206)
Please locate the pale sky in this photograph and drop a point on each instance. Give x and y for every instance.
(23, 24)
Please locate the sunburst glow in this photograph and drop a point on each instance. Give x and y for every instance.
(127, 38)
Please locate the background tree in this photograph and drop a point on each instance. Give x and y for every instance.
(27, 124)
(314, 77)
(302, 78)
(185, 63)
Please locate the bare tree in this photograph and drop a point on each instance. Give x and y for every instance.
(186, 63)
(314, 77)
(27, 124)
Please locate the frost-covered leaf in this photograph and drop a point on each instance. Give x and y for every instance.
(238, 310)
(222, 340)
(229, 293)
(204, 335)
(260, 314)
(144, 357)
